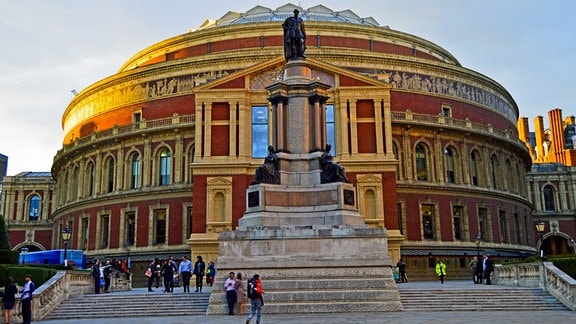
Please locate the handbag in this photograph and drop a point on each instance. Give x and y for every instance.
(148, 273)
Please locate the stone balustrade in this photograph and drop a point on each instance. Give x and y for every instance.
(539, 274)
(63, 285)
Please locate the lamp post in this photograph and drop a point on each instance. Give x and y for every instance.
(540, 229)
(128, 245)
(24, 251)
(477, 241)
(66, 238)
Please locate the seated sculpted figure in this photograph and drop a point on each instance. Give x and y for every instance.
(331, 172)
(268, 172)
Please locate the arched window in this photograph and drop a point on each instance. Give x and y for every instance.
(34, 209)
(74, 184)
(90, 181)
(494, 168)
(110, 175)
(508, 182)
(450, 174)
(421, 163)
(165, 170)
(474, 168)
(549, 197)
(135, 171)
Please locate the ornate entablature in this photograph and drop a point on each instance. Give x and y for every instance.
(416, 82)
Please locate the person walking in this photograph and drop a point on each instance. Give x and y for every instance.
(96, 275)
(402, 269)
(230, 286)
(199, 268)
(151, 273)
(240, 293)
(472, 266)
(168, 274)
(26, 298)
(185, 270)
(256, 302)
(441, 270)
(9, 299)
(488, 267)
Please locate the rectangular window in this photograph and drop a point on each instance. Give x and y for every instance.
(483, 224)
(104, 231)
(259, 131)
(330, 128)
(519, 239)
(428, 222)
(130, 228)
(457, 212)
(84, 234)
(160, 228)
(504, 233)
(189, 216)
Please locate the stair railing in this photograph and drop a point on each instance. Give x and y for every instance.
(539, 274)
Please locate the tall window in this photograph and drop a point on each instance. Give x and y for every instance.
(34, 209)
(165, 163)
(397, 157)
(517, 227)
(504, 231)
(549, 194)
(428, 222)
(90, 179)
(189, 216)
(457, 212)
(421, 163)
(135, 172)
(110, 175)
(450, 177)
(84, 233)
(474, 168)
(259, 131)
(160, 226)
(370, 204)
(330, 127)
(483, 224)
(104, 231)
(494, 166)
(130, 228)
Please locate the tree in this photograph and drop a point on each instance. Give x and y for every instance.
(4, 242)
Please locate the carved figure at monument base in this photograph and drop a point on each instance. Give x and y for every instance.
(331, 171)
(268, 172)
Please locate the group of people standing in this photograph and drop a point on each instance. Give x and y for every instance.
(9, 299)
(482, 270)
(102, 273)
(236, 295)
(170, 273)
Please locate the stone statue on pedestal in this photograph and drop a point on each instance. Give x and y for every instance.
(331, 171)
(268, 172)
(294, 37)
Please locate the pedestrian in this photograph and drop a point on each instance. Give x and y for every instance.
(199, 268)
(174, 273)
(256, 302)
(472, 266)
(151, 273)
(230, 286)
(185, 270)
(26, 298)
(240, 293)
(9, 299)
(96, 275)
(210, 273)
(168, 271)
(479, 271)
(488, 267)
(441, 270)
(402, 268)
(107, 275)
(102, 282)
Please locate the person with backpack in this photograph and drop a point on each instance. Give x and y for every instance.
(255, 293)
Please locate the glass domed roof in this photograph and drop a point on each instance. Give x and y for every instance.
(264, 14)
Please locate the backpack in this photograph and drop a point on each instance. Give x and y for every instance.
(252, 294)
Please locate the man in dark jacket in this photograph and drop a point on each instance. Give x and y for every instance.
(479, 271)
(96, 275)
(199, 268)
(488, 267)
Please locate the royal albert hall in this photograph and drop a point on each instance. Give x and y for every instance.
(158, 157)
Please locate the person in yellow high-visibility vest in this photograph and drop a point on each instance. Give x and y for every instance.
(440, 270)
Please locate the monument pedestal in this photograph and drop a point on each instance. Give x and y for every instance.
(306, 239)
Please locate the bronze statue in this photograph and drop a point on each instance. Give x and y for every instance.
(331, 172)
(294, 37)
(268, 172)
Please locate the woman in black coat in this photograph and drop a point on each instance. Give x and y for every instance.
(199, 269)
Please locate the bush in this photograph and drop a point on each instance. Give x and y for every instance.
(9, 257)
(566, 264)
(39, 274)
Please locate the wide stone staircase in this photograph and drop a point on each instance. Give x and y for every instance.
(484, 298)
(131, 304)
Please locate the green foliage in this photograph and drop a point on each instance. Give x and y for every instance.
(567, 265)
(4, 242)
(9, 257)
(39, 274)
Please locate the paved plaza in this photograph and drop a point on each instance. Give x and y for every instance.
(508, 317)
